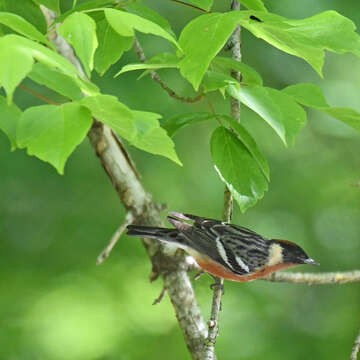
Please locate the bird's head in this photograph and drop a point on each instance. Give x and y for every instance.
(290, 252)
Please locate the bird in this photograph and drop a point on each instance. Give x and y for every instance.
(226, 250)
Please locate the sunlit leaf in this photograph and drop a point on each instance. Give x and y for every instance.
(80, 31)
(52, 133)
(17, 55)
(151, 137)
(28, 10)
(15, 64)
(55, 80)
(145, 66)
(109, 110)
(306, 38)
(89, 5)
(125, 23)
(10, 115)
(165, 58)
(111, 46)
(21, 26)
(142, 10)
(237, 168)
(279, 110)
(201, 39)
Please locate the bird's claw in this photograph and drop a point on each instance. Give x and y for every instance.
(218, 285)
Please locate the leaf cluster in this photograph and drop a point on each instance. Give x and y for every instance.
(101, 31)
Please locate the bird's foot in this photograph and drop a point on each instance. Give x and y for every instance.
(218, 284)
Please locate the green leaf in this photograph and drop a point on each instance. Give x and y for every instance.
(28, 10)
(111, 46)
(307, 94)
(254, 4)
(21, 26)
(109, 110)
(125, 23)
(17, 55)
(171, 60)
(213, 81)
(203, 4)
(80, 31)
(307, 38)
(10, 115)
(51, 4)
(250, 144)
(201, 39)
(177, 122)
(248, 74)
(145, 12)
(89, 5)
(14, 65)
(52, 133)
(145, 66)
(311, 95)
(237, 168)
(346, 115)
(279, 110)
(56, 80)
(151, 137)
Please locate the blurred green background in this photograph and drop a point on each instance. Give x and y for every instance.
(57, 304)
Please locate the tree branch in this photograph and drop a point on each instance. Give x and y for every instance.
(213, 323)
(190, 5)
(316, 279)
(356, 348)
(144, 210)
(115, 238)
(155, 76)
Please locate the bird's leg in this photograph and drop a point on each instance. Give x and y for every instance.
(217, 284)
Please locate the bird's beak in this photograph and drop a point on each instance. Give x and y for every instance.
(311, 262)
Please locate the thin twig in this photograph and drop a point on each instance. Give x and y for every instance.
(155, 76)
(129, 218)
(191, 5)
(236, 55)
(316, 279)
(356, 348)
(36, 94)
(160, 297)
(213, 324)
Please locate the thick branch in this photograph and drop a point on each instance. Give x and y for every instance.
(316, 279)
(140, 204)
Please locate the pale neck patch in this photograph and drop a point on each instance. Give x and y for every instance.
(275, 255)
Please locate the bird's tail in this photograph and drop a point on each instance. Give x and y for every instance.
(169, 235)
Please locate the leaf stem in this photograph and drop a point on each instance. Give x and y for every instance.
(191, 5)
(39, 96)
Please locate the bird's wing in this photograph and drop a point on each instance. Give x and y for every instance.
(237, 248)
